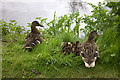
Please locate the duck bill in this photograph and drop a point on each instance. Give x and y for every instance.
(97, 35)
(41, 25)
(89, 65)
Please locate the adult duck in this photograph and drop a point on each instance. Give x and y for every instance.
(34, 36)
(89, 50)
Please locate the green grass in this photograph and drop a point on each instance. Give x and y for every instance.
(47, 59)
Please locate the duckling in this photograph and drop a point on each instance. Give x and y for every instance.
(77, 51)
(34, 36)
(89, 50)
(64, 47)
(70, 44)
(77, 48)
(67, 47)
(73, 47)
(64, 44)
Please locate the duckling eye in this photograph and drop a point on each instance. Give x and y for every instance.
(82, 54)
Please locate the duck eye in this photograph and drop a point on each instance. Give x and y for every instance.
(96, 54)
(82, 54)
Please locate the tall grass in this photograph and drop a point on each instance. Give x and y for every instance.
(50, 51)
(108, 45)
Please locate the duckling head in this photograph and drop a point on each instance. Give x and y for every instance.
(77, 42)
(64, 44)
(69, 44)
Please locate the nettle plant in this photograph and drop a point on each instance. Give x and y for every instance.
(62, 24)
(11, 31)
(101, 18)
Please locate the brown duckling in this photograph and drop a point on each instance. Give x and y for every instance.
(77, 48)
(78, 44)
(34, 36)
(89, 50)
(67, 47)
(64, 47)
(70, 47)
(70, 44)
(64, 44)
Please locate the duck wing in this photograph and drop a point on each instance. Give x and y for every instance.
(89, 50)
(38, 38)
(29, 39)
